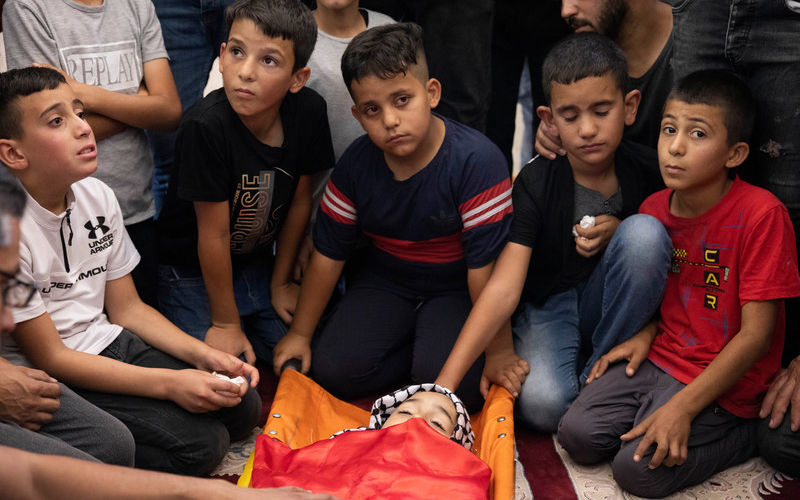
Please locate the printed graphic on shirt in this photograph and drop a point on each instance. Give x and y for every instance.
(99, 236)
(714, 275)
(251, 222)
(112, 66)
(66, 285)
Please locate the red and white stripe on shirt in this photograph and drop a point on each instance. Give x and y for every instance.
(489, 206)
(337, 206)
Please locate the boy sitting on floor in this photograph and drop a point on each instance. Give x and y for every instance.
(86, 324)
(575, 297)
(434, 199)
(242, 184)
(683, 407)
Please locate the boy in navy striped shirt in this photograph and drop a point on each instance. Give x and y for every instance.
(433, 198)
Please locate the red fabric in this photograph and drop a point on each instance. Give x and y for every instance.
(439, 250)
(407, 461)
(741, 250)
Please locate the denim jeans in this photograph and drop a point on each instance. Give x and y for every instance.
(562, 338)
(760, 41)
(193, 31)
(184, 301)
(169, 438)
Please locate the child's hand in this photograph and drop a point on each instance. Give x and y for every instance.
(634, 350)
(292, 345)
(284, 300)
(785, 389)
(230, 339)
(214, 360)
(593, 240)
(506, 369)
(197, 391)
(668, 428)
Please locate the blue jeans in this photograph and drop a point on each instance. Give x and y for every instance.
(193, 31)
(184, 301)
(562, 338)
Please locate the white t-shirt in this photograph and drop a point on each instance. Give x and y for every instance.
(69, 258)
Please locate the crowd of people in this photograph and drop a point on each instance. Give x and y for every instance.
(345, 200)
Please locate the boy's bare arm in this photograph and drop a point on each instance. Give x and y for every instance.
(125, 308)
(669, 426)
(492, 310)
(194, 390)
(213, 251)
(159, 108)
(318, 283)
(34, 476)
(284, 290)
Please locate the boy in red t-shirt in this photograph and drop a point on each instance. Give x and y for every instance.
(694, 377)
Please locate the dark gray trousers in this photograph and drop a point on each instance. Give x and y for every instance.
(615, 403)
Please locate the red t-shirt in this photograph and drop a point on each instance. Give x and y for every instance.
(742, 249)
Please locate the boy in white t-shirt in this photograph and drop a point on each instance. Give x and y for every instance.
(86, 325)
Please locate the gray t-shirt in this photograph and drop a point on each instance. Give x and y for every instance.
(104, 46)
(326, 78)
(591, 202)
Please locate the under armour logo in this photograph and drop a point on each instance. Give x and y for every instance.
(94, 227)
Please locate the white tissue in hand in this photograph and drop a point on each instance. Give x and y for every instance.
(586, 222)
(238, 380)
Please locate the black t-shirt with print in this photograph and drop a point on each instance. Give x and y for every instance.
(218, 159)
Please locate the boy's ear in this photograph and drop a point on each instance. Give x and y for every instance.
(221, 53)
(434, 89)
(299, 78)
(737, 154)
(546, 115)
(632, 100)
(11, 155)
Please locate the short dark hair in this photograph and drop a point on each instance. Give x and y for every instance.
(724, 89)
(583, 55)
(18, 83)
(287, 19)
(384, 51)
(12, 202)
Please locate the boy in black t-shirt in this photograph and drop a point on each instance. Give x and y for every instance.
(244, 159)
(575, 296)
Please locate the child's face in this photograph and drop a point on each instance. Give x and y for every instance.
(590, 116)
(257, 70)
(435, 408)
(57, 145)
(693, 149)
(396, 112)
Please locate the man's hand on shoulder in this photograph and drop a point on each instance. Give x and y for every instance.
(230, 339)
(785, 390)
(28, 397)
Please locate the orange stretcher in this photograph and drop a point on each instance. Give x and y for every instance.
(299, 401)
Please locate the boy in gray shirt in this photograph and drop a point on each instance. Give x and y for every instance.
(113, 56)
